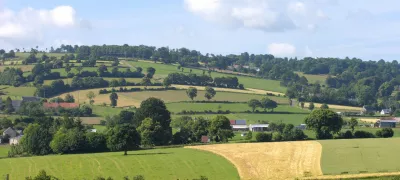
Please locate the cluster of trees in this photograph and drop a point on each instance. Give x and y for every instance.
(59, 86)
(191, 92)
(191, 130)
(4, 55)
(102, 71)
(202, 80)
(264, 103)
(12, 77)
(280, 132)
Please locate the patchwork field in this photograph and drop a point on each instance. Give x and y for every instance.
(233, 107)
(173, 163)
(360, 156)
(24, 68)
(162, 70)
(282, 160)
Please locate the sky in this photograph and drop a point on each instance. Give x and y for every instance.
(366, 29)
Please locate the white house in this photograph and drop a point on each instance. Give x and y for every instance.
(15, 140)
(258, 127)
(386, 111)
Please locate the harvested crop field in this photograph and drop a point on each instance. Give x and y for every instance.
(337, 107)
(281, 160)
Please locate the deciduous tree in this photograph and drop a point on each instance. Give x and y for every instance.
(123, 138)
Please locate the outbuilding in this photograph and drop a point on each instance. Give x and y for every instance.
(386, 123)
(240, 127)
(258, 127)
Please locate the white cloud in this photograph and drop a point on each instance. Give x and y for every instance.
(297, 7)
(322, 15)
(253, 14)
(281, 49)
(19, 28)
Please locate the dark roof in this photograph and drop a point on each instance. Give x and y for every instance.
(16, 103)
(368, 108)
(30, 99)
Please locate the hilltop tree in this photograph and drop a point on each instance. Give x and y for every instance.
(113, 99)
(254, 103)
(210, 93)
(191, 93)
(90, 95)
(220, 129)
(324, 122)
(156, 110)
(123, 138)
(139, 69)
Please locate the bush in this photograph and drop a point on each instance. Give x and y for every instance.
(263, 137)
(384, 133)
(345, 135)
(276, 136)
(363, 134)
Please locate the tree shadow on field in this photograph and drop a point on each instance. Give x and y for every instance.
(149, 154)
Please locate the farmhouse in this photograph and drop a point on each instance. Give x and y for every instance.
(205, 139)
(10, 132)
(62, 105)
(258, 127)
(386, 111)
(15, 140)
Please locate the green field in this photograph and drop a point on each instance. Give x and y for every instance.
(104, 111)
(312, 78)
(251, 118)
(4, 151)
(17, 91)
(233, 107)
(63, 73)
(180, 95)
(162, 70)
(173, 163)
(360, 156)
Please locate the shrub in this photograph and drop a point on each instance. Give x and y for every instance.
(345, 135)
(276, 136)
(363, 134)
(384, 133)
(263, 137)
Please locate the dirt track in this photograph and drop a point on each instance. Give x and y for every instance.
(282, 160)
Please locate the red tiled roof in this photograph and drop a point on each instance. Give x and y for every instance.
(233, 122)
(204, 139)
(63, 105)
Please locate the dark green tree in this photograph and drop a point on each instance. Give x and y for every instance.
(353, 123)
(324, 123)
(114, 99)
(210, 93)
(254, 103)
(220, 129)
(191, 93)
(123, 138)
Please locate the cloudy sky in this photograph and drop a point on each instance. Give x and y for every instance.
(368, 29)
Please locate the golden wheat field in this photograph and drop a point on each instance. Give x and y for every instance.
(247, 90)
(280, 160)
(337, 107)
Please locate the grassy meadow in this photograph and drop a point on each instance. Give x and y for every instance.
(17, 91)
(4, 151)
(172, 163)
(312, 78)
(360, 156)
(162, 70)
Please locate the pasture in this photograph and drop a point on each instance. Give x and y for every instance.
(280, 160)
(24, 68)
(254, 118)
(162, 71)
(172, 163)
(360, 156)
(17, 91)
(69, 80)
(313, 78)
(233, 107)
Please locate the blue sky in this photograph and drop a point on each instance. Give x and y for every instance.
(367, 29)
